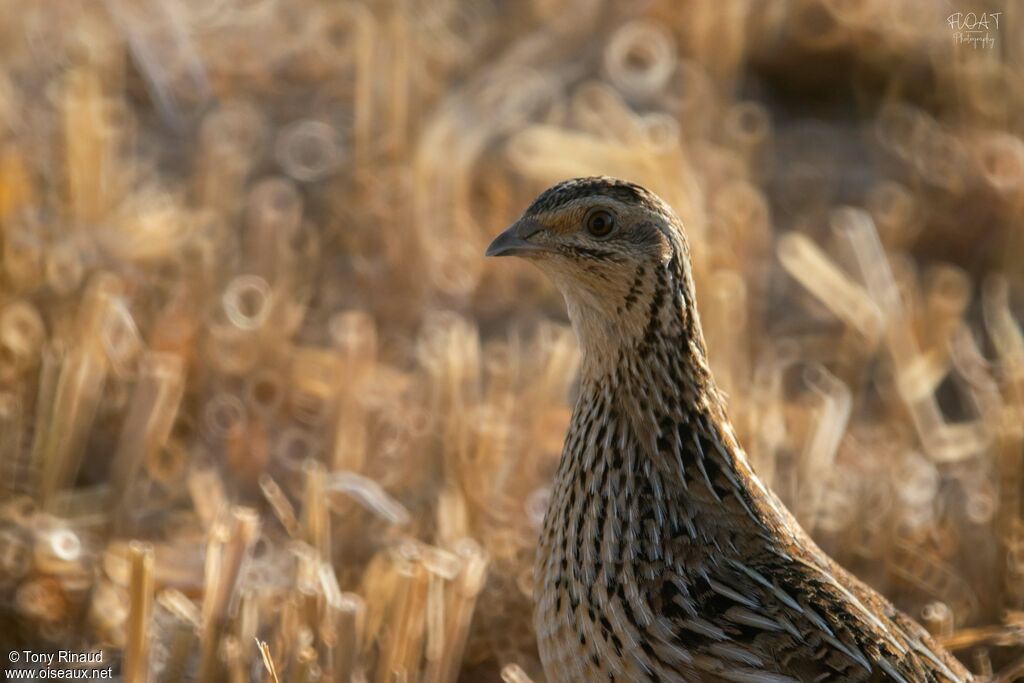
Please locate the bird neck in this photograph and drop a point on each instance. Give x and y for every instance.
(650, 382)
(645, 347)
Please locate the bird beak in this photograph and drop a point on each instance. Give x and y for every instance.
(515, 240)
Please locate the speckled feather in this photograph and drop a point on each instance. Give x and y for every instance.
(662, 556)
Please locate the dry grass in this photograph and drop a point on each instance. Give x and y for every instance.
(266, 411)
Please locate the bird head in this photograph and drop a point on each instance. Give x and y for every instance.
(615, 250)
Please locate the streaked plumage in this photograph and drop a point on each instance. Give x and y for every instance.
(663, 557)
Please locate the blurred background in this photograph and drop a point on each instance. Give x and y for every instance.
(264, 404)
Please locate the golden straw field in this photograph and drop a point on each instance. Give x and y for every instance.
(267, 412)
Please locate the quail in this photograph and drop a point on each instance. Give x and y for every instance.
(662, 556)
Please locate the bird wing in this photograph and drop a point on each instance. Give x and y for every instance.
(933, 657)
(848, 631)
(793, 621)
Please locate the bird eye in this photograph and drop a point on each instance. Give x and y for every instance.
(600, 223)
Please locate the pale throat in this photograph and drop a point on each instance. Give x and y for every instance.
(613, 329)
